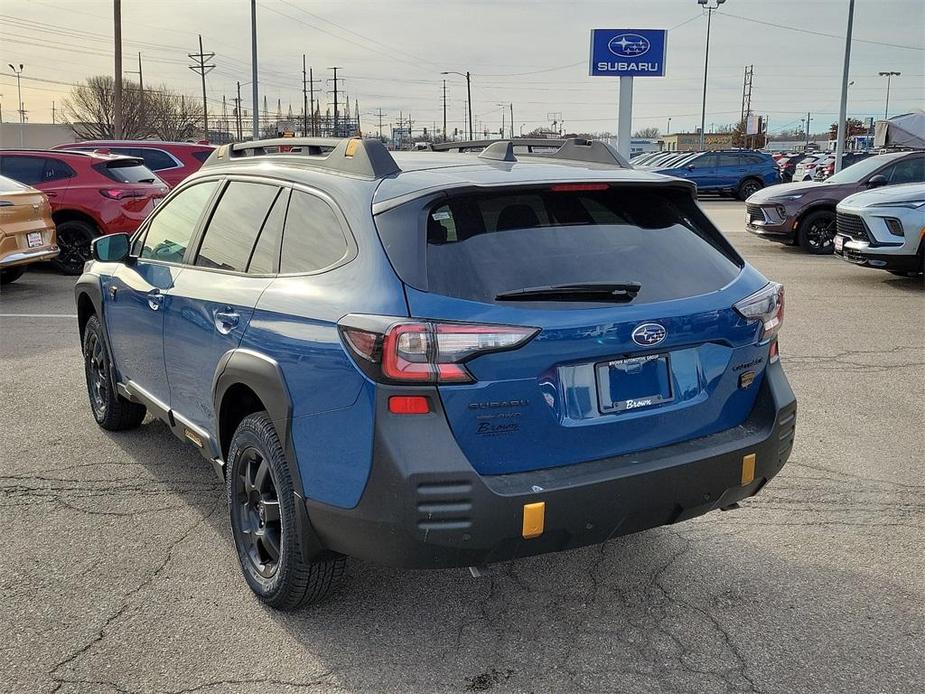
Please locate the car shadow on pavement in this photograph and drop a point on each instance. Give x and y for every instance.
(721, 603)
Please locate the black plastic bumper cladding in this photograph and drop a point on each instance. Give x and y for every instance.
(424, 506)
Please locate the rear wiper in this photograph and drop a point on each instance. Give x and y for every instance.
(617, 292)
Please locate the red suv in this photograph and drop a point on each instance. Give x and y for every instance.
(90, 194)
(172, 161)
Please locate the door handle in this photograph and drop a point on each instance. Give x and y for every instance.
(50, 193)
(155, 298)
(226, 320)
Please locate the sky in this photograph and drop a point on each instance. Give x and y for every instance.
(532, 54)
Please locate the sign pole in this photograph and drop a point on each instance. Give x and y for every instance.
(625, 117)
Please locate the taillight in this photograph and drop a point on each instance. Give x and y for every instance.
(766, 305)
(397, 351)
(121, 193)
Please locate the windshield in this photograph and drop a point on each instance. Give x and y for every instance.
(858, 171)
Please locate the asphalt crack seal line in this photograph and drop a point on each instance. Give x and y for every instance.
(126, 600)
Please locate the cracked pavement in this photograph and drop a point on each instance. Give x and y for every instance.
(118, 575)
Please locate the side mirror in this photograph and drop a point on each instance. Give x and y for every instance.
(877, 181)
(111, 248)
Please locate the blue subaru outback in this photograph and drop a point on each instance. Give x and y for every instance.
(432, 360)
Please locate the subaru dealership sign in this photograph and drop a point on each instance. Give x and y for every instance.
(628, 52)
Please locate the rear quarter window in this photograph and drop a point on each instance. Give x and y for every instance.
(478, 245)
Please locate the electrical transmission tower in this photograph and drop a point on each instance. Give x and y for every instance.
(202, 69)
(747, 99)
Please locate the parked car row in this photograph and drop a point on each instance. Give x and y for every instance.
(738, 172)
(816, 166)
(805, 213)
(88, 189)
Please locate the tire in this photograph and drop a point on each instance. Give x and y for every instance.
(263, 521)
(110, 410)
(11, 274)
(817, 232)
(749, 187)
(74, 237)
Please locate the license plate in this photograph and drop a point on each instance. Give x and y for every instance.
(839, 242)
(34, 239)
(633, 383)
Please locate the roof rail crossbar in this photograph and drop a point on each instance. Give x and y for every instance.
(353, 155)
(527, 142)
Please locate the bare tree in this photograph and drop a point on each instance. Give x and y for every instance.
(648, 133)
(89, 109)
(173, 116)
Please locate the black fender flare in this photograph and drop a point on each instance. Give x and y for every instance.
(264, 377)
(90, 286)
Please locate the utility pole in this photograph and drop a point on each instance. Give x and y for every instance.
(141, 83)
(401, 126)
(117, 70)
(808, 119)
(335, 69)
(311, 100)
(444, 110)
(224, 119)
(512, 120)
(202, 70)
(52, 112)
(237, 112)
(22, 112)
(889, 77)
(711, 8)
(746, 101)
(842, 134)
(380, 124)
(304, 101)
(255, 123)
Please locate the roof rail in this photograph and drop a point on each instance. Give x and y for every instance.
(465, 145)
(352, 155)
(574, 149)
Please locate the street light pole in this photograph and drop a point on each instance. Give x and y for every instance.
(843, 107)
(711, 6)
(889, 77)
(22, 112)
(468, 93)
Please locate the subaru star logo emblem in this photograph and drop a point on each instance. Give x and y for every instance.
(649, 334)
(629, 45)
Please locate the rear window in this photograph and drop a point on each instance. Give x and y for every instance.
(479, 245)
(202, 154)
(126, 171)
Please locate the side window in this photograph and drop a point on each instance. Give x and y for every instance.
(729, 159)
(704, 161)
(55, 170)
(441, 225)
(26, 170)
(234, 226)
(156, 159)
(265, 257)
(911, 170)
(172, 227)
(313, 238)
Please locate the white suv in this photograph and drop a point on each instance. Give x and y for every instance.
(883, 228)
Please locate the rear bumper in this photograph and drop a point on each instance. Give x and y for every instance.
(33, 255)
(424, 506)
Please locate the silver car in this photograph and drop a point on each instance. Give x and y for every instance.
(883, 228)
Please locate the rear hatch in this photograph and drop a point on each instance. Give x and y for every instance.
(630, 290)
(138, 189)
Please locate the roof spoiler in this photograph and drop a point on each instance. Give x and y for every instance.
(353, 155)
(573, 149)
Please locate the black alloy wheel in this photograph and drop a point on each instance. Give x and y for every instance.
(748, 188)
(817, 233)
(74, 238)
(97, 368)
(255, 505)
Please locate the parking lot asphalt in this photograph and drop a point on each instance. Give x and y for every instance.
(117, 570)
